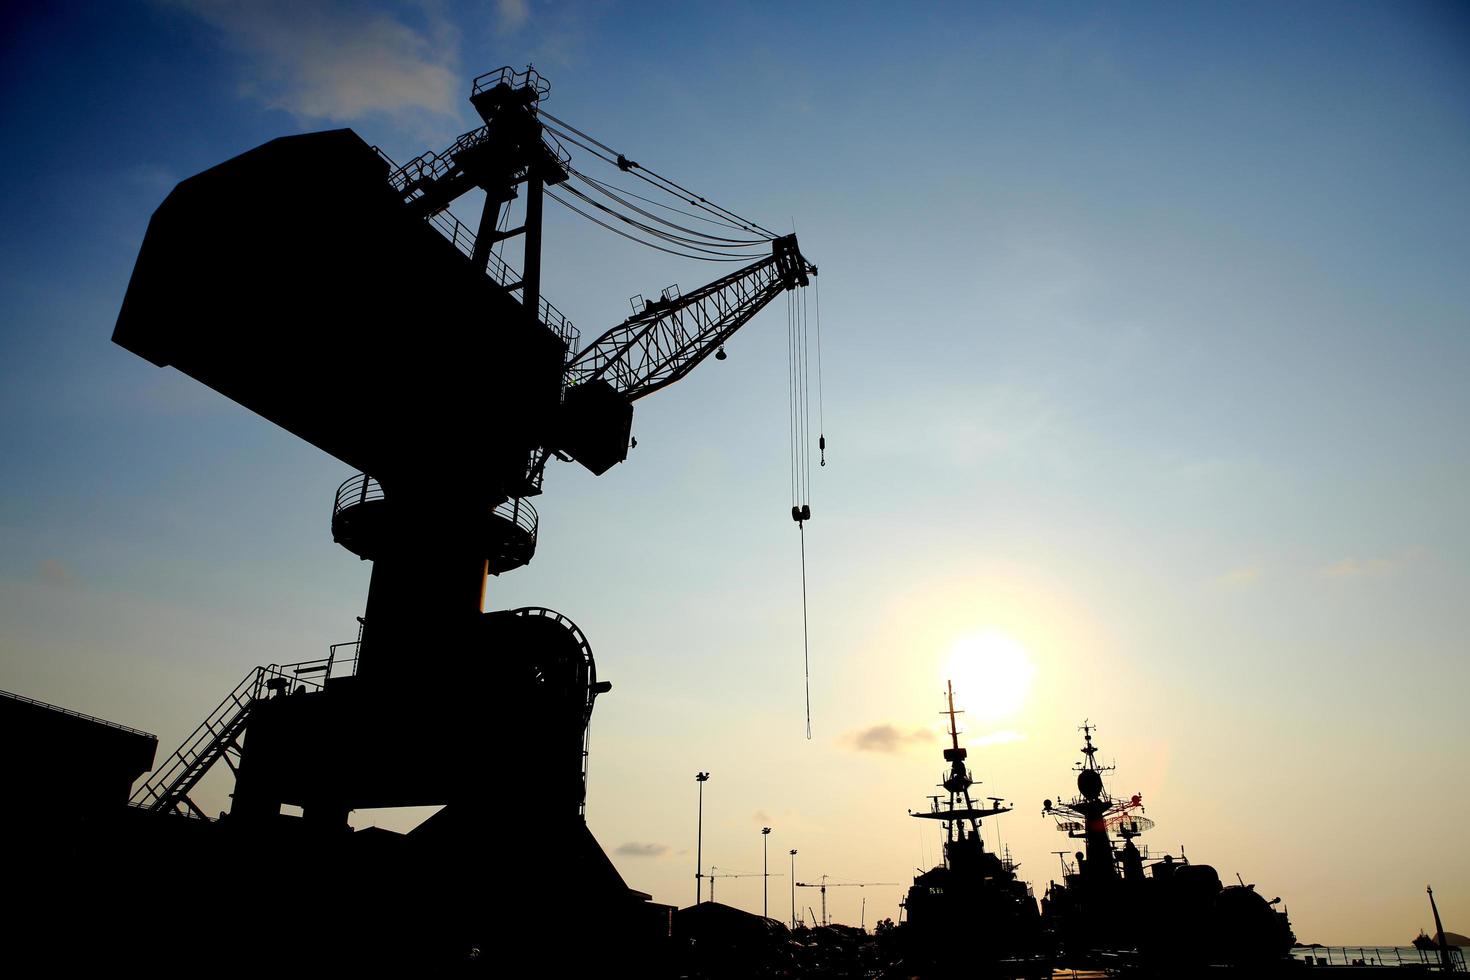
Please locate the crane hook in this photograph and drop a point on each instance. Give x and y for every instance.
(822, 448)
(720, 354)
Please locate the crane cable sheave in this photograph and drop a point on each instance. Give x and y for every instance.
(657, 346)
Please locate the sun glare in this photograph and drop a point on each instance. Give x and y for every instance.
(991, 673)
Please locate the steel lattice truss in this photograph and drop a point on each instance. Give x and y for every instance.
(653, 349)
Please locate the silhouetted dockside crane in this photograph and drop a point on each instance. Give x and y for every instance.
(332, 292)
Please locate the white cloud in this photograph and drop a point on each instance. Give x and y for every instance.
(339, 62)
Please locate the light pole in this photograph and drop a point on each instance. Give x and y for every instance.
(793, 888)
(765, 873)
(700, 777)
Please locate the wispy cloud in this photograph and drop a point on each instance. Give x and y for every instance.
(887, 738)
(511, 15)
(338, 61)
(963, 426)
(1366, 567)
(635, 849)
(1240, 577)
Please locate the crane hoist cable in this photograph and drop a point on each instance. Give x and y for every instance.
(674, 240)
(691, 236)
(612, 192)
(804, 322)
(790, 400)
(723, 223)
(805, 642)
(799, 424)
(704, 237)
(655, 180)
(561, 128)
(707, 246)
(821, 408)
(702, 243)
(618, 231)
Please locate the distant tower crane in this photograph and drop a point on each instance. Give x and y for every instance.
(332, 292)
(824, 885)
(752, 874)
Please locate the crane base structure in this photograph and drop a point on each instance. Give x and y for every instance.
(330, 291)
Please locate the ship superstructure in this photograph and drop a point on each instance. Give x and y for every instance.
(1094, 815)
(1116, 905)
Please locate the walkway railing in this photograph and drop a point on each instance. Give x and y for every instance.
(1428, 959)
(75, 714)
(502, 274)
(530, 78)
(520, 513)
(356, 490)
(362, 489)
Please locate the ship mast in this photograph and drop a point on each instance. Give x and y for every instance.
(959, 781)
(1094, 814)
(959, 814)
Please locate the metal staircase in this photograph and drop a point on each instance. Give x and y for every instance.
(218, 737)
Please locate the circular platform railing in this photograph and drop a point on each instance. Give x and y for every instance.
(509, 535)
(517, 542)
(357, 490)
(520, 513)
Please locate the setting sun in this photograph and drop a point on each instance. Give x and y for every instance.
(991, 673)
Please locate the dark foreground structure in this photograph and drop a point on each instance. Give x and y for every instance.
(321, 286)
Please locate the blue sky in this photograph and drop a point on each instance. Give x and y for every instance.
(1145, 332)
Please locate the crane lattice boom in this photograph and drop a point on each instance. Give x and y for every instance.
(659, 345)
